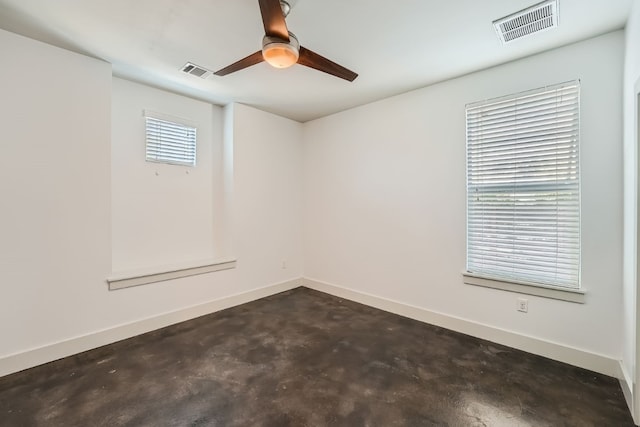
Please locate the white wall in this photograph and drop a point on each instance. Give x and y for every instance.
(385, 198)
(629, 308)
(163, 214)
(55, 246)
(55, 250)
(267, 194)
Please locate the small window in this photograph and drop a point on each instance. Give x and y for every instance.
(523, 187)
(169, 141)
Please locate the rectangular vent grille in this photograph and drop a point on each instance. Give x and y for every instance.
(540, 17)
(196, 70)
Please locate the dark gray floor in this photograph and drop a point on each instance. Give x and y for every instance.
(303, 358)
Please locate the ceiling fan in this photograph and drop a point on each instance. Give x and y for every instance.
(281, 49)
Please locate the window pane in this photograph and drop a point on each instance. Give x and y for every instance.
(523, 187)
(169, 142)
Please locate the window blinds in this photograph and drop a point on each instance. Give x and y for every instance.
(523, 187)
(169, 142)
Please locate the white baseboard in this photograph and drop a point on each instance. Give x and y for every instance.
(573, 356)
(38, 356)
(627, 389)
(595, 362)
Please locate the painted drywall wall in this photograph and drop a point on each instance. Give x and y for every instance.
(163, 214)
(55, 250)
(385, 198)
(630, 152)
(267, 193)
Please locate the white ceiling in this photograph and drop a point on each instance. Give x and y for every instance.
(395, 46)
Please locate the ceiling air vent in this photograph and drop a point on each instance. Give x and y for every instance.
(540, 17)
(196, 70)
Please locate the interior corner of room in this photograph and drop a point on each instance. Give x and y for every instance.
(366, 203)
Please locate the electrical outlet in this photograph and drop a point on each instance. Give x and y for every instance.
(284, 264)
(522, 305)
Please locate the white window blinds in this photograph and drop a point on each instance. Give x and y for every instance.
(170, 142)
(523, 187)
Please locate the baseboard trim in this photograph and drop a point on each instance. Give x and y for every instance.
(38, 356)
(573, 356)
(595, 362)
(627, 389)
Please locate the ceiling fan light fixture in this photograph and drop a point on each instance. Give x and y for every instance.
(281, 49)
(280, 53)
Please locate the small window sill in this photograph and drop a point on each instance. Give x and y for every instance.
(143, 277)
(553, 292)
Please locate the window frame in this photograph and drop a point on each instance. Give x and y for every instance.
(190, 141)
(512, 282)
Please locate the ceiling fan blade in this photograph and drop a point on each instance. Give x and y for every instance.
(273, 19)
(318, 62)
(253, 59)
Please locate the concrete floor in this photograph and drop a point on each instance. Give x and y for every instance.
(303, 358)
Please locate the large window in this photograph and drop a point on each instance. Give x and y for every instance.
(523, 188)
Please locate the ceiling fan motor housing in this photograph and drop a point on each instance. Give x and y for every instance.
(280, 53)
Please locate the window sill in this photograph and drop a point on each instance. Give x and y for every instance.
(564, 294)
(143, 277)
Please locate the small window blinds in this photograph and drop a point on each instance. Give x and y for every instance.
(170, 142)
(523, 187)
